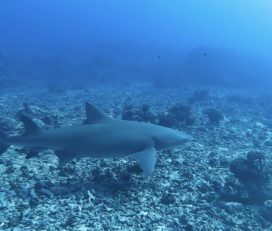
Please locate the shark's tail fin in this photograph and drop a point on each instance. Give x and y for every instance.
(3, 142)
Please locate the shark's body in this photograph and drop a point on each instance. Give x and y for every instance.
(101, 136)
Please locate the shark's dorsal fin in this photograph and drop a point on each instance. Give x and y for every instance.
(94, 115)
(31, 127)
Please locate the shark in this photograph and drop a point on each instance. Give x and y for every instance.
(100, 136)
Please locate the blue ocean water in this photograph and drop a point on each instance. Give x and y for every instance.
(223, 41)
(202, 67)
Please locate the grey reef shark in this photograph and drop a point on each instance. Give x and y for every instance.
(100, 136)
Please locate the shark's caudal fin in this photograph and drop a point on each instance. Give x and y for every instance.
(31, 127)
(147, 160)
(3, 145)
(94, 115)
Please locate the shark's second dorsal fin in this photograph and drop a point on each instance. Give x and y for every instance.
(94, 115)
(31, 127)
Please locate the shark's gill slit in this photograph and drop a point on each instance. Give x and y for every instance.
(157, 142)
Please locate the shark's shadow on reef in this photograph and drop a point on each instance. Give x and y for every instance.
(103, 184)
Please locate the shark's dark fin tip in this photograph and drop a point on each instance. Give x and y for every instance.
(30, 126)
(94, 115)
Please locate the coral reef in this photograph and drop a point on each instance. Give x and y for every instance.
(55, 88)
(217, 182)
(199, 96)
(142, 114)
(253, 168)
(253, 172)
(214, 115)
(177, 115)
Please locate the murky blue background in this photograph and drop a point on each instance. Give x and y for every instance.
(226, 43)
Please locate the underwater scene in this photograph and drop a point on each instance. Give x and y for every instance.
(135, 115)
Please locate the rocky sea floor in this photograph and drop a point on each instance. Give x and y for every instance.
(220, 181)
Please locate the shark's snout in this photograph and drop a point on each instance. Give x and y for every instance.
(171, 138)
(182, 137)
(187, 137)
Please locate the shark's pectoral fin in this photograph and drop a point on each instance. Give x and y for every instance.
(64, 156)
(147, 160)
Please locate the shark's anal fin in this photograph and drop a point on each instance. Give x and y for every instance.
(94, 115)
(31, 127)
(147, 160)
(64, 157)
